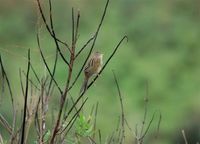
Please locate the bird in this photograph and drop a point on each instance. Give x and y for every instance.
(93, 67)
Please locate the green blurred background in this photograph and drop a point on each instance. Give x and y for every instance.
(163, 49)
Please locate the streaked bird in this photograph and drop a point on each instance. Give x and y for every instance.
(93, 67)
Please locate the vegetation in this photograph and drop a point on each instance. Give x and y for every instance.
(162, 49)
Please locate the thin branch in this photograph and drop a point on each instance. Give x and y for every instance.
(30, 80)
(22, 87)
(118, 125)
(91, 140)
(52, 77)
(52, 33)
(13, 125)
(111, 138)
(84, 46)
(53, 73)
(11, 96)
(73, 117)
(184, 136)
(57, 49)
(158, 127)
(75, 106)
(34, 72)
(65, 108)
(8, 83)
(73, 36)
(37, 123)
(47, 26)
(64, 95)
(57, 46)
(5, 124)
(50, 16)
(145, 108)
(25, 101)
(119, 136)
(147, 129)
(2, 87)
(54, 36)
(130, 129)
(122, 109)
(77, 26)
(92, 109)
(100, 141)
(95, 119)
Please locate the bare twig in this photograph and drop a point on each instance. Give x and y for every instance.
(75, 106)
(22, 87)
(95, 120)
(34, 72)
(111, 138)
(53, 73)
(8, 83)
(65, 108)
(73, 30)
(2, 87)
(184, 136)
(77, 26)
(25, 101)
(130, 129)
(13, 126)
(5, 124)
(92, 141)
(4, 74)
(100, 141)
(30, 80)
(37, 123)
(42, 127)
(52, 77)
(158, 127)
(145, 109)
(57, 47)
(84, 46)
(51, 32)
(122, 109)
(147, 129)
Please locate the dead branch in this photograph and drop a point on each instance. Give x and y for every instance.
(122, 109)
(25, 101)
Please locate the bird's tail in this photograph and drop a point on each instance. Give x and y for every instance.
(84, 85)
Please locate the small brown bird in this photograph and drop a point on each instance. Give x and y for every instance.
(93, 67)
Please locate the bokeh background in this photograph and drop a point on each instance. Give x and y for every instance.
(163, 49)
